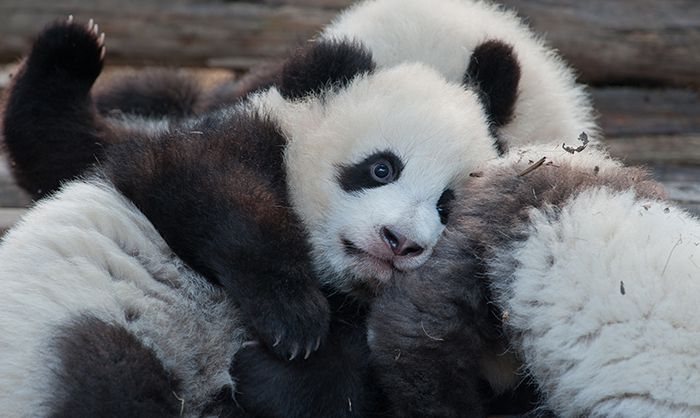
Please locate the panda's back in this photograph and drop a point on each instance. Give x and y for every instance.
(444, 34)
(87, 261)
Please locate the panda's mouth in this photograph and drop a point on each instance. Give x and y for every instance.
(379, 263)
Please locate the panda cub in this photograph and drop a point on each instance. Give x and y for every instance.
(340, 176)
(590, 273)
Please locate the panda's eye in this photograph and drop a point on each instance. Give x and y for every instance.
(382, 171)
(443, 205)
(376, 170)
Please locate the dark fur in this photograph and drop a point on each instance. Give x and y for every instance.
(310, 69)
(428, 334)
(259, 78)
(50, 127)
(337, 381)
(326, 64)
(160, 93)
(431, 329)
(495, 70)
(54, 128)
(105, 371)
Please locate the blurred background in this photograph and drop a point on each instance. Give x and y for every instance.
(641, 59)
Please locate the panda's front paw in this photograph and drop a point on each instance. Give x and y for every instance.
(292, 326)
(68, 50)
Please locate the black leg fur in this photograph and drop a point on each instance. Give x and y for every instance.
(51, 130)
(335, 382)
(106, 372)
(219, 200)
(160, 93)
(260, 78)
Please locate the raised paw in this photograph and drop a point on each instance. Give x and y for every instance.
(291, 327)
(69, 51)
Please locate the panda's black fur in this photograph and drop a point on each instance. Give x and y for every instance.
(215, 190)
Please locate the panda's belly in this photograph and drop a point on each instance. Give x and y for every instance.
(88, 253)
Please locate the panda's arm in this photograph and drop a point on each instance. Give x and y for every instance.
(217, 197)
(50, 127)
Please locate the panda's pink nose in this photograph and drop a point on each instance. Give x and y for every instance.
(399, 244)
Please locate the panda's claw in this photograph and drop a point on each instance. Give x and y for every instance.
(101, 40)
(288, 326)
(295, 351)
(96, 29)
(74, 48)
(251, 343)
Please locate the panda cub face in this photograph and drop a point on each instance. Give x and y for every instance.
(372, 167)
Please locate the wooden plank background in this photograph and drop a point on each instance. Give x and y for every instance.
(646, 41)
(641, 57)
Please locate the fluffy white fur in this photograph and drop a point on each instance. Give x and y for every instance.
(443, 34)
(595, 349)
(88, 250)
(437, 128)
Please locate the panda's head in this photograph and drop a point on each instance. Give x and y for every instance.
(374, 157)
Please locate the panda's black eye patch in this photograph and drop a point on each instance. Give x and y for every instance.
(443, 205)
(374, 171)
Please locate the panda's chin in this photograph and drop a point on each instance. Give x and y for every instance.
(366, 267)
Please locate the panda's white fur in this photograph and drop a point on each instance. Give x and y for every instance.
(599, 299)
(88, 251)
(437, 128)
(443, 34)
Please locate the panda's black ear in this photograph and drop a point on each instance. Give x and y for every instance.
(495, 71)
(323, 64)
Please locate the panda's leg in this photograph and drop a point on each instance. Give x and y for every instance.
(50, 126)
(334, 382)
(426, 352)
(151, 94)
(105, 371)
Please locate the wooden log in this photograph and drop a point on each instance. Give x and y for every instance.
(660, 149)
(622, 42)
(682, 185)
(610, 42)
(8, 217)
(10, 194)
(175, 33)
(637, 111)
